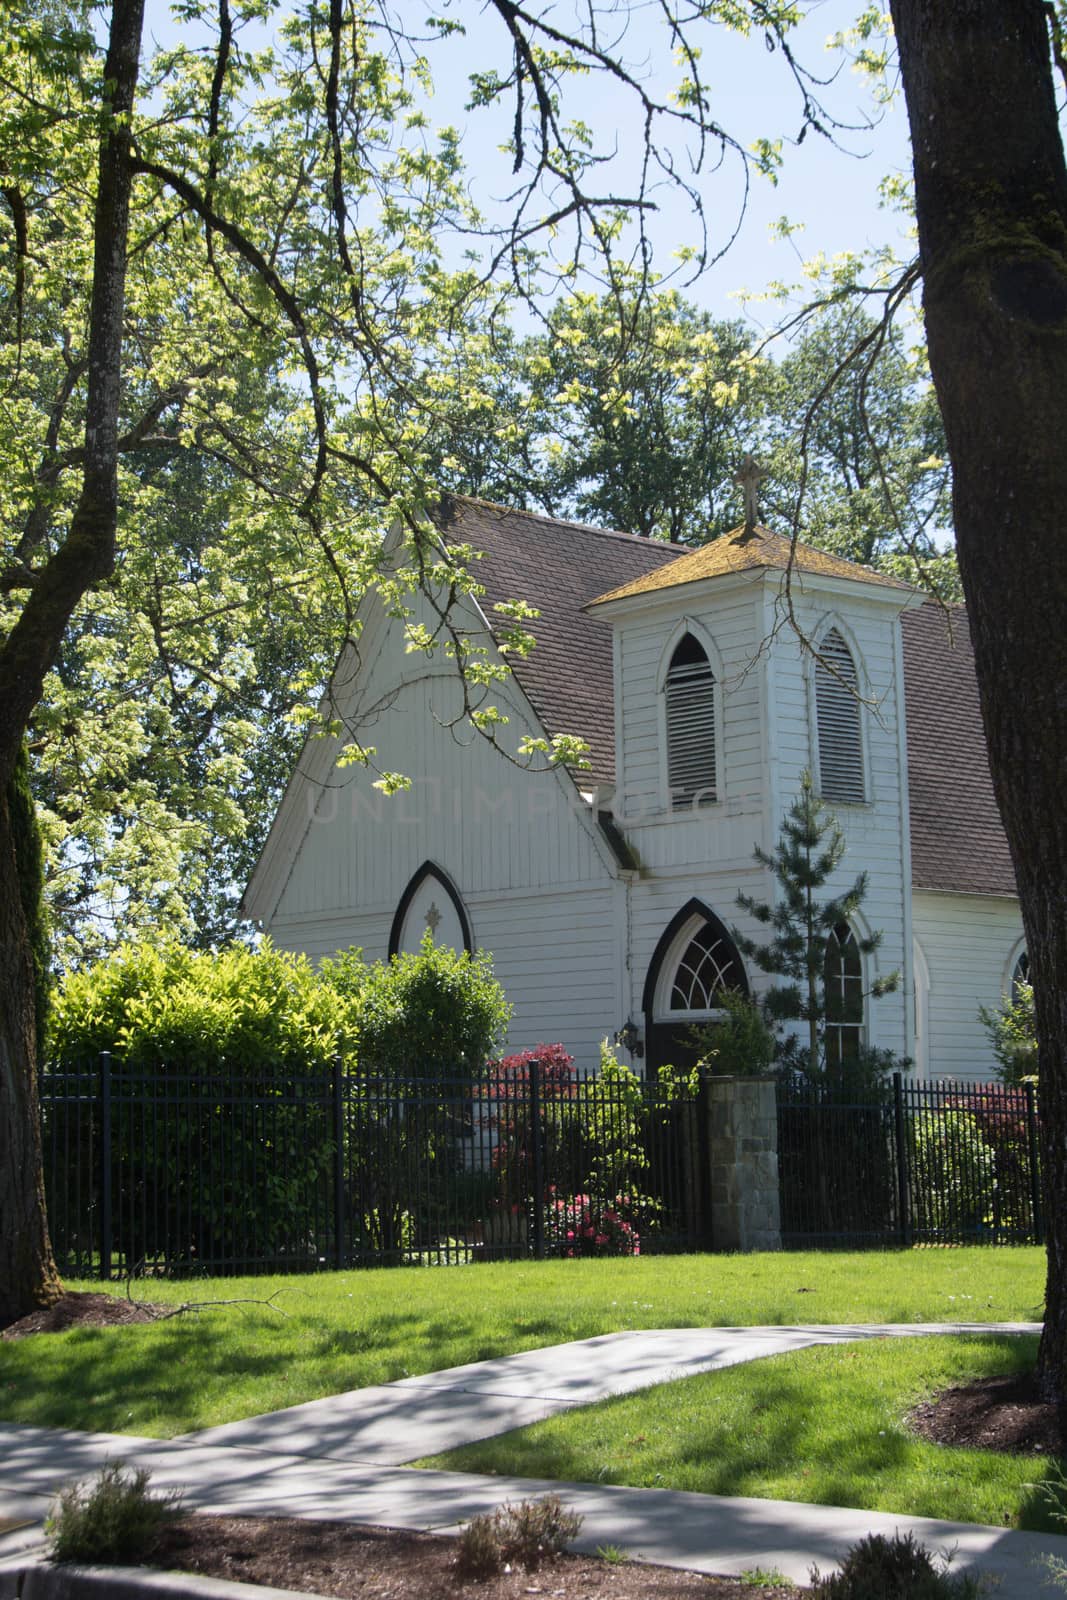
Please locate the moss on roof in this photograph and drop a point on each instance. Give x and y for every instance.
(746, 552)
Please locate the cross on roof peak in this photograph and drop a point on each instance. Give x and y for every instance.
(750, 475)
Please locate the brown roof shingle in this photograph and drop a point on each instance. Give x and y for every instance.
(557, 566)
(957, 838)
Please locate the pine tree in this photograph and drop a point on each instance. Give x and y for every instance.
(809, 849)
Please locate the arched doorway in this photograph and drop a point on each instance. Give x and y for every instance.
(694, 960)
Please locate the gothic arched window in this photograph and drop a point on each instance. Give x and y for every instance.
(843, 987)
(707, 965)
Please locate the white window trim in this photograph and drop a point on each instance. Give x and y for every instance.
(663, 811)
(830, 624)
(1017, 949)
(668, 970)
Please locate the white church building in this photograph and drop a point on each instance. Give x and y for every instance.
(607, 896)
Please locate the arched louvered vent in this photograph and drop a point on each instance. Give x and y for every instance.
(837, 710)
(690, 692)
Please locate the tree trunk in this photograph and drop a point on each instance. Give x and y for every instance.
(28, 1276)
(991, 202)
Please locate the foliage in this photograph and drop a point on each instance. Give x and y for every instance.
(1054, 1492)
(739, 1044)
(529, 1534)
(166, 1007)
(1012, 1030)
(435, 1013)
(809, 851)
(954, 1173)
(110, 1518)
(245, 1040)
(854, 445)
(633, 410)
(580, 1226)
(899, 1568)
(555, 1064)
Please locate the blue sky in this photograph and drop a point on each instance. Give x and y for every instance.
(832, 191)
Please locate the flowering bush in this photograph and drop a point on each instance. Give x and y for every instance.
(556, 1076)
(578, 1225)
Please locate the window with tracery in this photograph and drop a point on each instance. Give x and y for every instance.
(690, 696)
(843, 989)
(708, 965)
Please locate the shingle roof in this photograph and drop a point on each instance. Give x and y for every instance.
(557, 566)
(746, 552)
(957, 839)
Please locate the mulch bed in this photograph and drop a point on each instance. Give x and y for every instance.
(994, 1414)
(336, 1559)
(354, 1563)
(83, 1311)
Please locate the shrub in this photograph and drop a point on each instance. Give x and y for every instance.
(954, 1173)
(236, 1048)
(113, 1517)
(580, 1226)
(437, 1013)
(478, 1553)
(530, 1533)
(1012, 1029)
(506, 1093)
(742, 1043)
(892, 1569)
(221, 1139)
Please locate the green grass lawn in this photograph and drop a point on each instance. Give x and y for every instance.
(338, 1331)
(823, 1425)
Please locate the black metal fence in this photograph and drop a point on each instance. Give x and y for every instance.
(165, 1170)
(911, 1163)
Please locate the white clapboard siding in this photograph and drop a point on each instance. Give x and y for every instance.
(969, 942)
(488, 823)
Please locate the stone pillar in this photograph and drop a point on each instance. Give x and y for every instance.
(743, 1156)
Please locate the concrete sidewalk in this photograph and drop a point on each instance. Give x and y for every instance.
(703, 1532)
(394, 1423)
(312, 1463)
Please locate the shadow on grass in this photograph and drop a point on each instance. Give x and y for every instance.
(826, 1427)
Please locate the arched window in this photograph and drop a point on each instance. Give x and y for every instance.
(690, 696)
(708, 964)
(431, 904)
(694, 960)
(843, 984)
(1020, 973)
(837, 712)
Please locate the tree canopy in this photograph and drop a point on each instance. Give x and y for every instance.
(262, 248)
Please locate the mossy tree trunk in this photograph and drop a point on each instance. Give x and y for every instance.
(27, 1271)
(28, 1276)
(991, 201)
